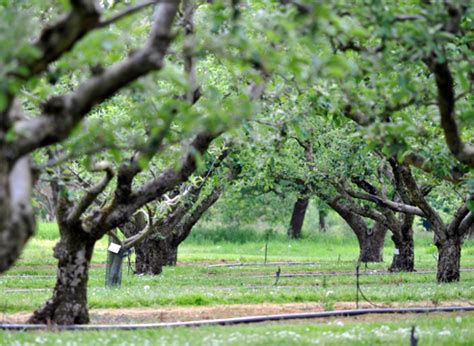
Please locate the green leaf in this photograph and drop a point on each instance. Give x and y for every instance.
(3, 102)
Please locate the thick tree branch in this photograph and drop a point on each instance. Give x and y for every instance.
(62, 113)
(466, 225)
(128, 170)
(464, 152)
(140, 236)
(366, 212)
(458, 218)
(395, 206)
(190, 220)
(417, 198)
(356, 116)
(365, 185)
(16, 215)
(60, 37)
(117, 213)
(126, 12)
(354, 220)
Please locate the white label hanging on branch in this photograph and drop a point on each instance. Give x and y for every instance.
(396, 252)
(114, 248)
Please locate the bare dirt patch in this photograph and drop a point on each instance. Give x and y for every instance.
(173, 314)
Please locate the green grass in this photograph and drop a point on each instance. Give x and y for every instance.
(194, 283)
(217, 244)
(437, 329)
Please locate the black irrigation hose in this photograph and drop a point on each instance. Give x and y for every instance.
(289, 275)
(256, 264)
(26, 276)
(27, 290)
(470, 270)
(240, 320)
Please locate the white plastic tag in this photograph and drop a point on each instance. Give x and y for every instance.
(396, 251)
(114, 248)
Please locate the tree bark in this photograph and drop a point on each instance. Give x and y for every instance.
(449, 260)
(371, 244)
(171, 256)
(371, 240)
(448, 238)
(322, 220)
(404, 252)
(17, 222)
(153, 254)
(403, 257)
(68, 304)
(297, 218)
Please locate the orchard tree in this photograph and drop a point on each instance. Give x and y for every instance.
(158, 246)
(192, 112)
(411, 67)
(24, 64)
(403, 75)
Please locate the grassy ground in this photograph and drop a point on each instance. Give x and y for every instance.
(438, 329)
(194, 283)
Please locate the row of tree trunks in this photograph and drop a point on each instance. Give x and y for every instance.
(371, 241)
(448, 238)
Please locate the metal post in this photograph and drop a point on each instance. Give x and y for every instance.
(357, 285)
(115, 256)
(266, 251)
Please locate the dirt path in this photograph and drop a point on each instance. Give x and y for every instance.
(171, 314)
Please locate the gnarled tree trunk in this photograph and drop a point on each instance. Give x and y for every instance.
(448, 237)
(153, 254)
(297, 218)
(371, 243)
(449, 260)
(403, 256)
(68, 304)
(371, 240)
(404, 252)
